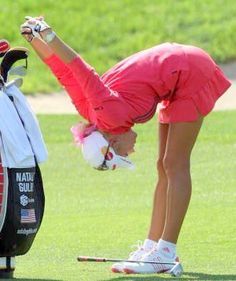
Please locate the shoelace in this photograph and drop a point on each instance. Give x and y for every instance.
(138, 246)
(154, 256)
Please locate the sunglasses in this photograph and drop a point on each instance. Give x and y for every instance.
(103, 166)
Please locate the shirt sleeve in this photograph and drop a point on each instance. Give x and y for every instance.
(66, 78)
(111, 110)
(90, 82)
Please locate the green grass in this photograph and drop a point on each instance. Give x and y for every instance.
(105, 31)
(103, 213)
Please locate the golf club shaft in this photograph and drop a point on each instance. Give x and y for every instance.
(98, 259)
(17, 82)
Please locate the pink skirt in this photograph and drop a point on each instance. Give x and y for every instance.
(197, 90)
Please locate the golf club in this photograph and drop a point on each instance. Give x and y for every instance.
(10, 57)
(18, 70)
(17, 82)
(176, 270)
(98, 259)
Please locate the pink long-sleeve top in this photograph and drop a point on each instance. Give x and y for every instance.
(126, 94)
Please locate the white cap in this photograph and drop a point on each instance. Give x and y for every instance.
(97, 152)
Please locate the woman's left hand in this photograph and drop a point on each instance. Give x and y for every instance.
(34, 27)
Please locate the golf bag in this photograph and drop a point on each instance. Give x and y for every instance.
(22, 207)
(21, 187)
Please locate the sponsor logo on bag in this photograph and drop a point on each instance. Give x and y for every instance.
(26, 232)
(25, 181)
(27, 216)
(25, 200)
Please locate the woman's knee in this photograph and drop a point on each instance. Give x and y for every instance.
(176, 165)
(160, 166)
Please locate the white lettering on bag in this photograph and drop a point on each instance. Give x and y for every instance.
(26, 186)
(26, 232)
(23, 177)
(25, 181)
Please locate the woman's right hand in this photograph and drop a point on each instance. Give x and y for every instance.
(27, 31)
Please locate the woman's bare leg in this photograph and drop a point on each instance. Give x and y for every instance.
(159, 200)
(180, 141)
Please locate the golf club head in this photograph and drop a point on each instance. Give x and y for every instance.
(4, 47)
(17, 82)
(176, 270)
(11, 56)
(18, 70)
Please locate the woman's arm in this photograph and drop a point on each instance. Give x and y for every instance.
(63, 74)
(37, 28)
(90, 82)
(41, 48)
(107, 108)
(59, 47)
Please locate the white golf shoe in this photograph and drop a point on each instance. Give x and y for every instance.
(135, 255)
(174, 267)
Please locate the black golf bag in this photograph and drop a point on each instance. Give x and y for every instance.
(21, 188)
(22, 207)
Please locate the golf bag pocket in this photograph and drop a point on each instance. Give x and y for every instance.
(22, 208)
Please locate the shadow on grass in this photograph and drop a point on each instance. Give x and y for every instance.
(32, 279)
(186, 276)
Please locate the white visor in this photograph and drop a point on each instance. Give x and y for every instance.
(97, 152)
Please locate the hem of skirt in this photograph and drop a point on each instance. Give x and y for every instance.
(203, 101)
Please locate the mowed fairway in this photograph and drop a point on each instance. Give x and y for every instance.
(104, 213)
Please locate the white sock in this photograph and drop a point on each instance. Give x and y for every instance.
(149, 244)
(167, 248)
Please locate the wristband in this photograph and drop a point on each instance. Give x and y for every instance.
(49, 37)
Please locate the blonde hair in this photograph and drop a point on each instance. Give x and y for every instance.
(81, 131)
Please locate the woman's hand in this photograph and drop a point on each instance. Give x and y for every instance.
(38, 28)
(34, 27)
